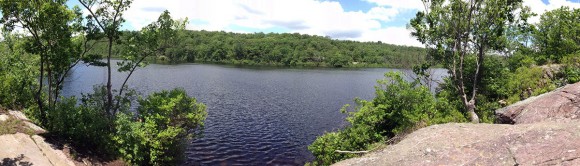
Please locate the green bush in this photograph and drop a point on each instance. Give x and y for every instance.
(398, 107)
(499, 82)
(82, 126)
(571, 68)
(520, 60)
(151, 136)
(525, 82)
(18, 74)
(154, 136)
(86, 125)
(491, 81)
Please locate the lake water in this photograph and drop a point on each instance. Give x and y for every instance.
(256, 116)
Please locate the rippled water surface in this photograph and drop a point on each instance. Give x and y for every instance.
(256, 116)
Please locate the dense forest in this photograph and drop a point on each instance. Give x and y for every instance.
(286, 49)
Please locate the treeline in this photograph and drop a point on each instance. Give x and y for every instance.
(286, 49)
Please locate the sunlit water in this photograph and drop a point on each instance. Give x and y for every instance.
(256, 116)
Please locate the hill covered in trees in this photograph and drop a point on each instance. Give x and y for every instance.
(279, 50)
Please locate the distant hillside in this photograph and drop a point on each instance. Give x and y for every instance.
(283, 50)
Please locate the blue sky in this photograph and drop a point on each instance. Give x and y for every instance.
(361, 20)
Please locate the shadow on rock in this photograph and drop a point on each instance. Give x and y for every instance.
(17, 161)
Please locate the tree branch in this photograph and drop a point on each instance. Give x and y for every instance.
(93, 14)
(351, 152)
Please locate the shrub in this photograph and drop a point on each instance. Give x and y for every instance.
(86, 125)
(571, 69)
(518, 60)
(18, 75)
(154, 136)
(525, 82)
(498, 82)
(398, 107)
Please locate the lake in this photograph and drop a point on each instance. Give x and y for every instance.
(256, 116)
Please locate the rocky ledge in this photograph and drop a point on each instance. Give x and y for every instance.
(30, 148)
(562, 104)
(543, 130)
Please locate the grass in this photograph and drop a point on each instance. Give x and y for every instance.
(13, 126)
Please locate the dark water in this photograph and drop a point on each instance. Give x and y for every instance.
(256, 116)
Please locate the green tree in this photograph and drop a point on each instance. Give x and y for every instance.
(19, 71)
(456, 29)
(154, 39)
(51, 25)
(280, 49)
(165, 120)
(104, 20)
(558, 33)
(519, 35)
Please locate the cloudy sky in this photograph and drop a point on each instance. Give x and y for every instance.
(361, 20)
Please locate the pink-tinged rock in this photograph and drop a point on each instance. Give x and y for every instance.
(547, 133)
(543, 143)
(562, 104)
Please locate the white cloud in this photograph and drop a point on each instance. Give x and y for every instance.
(218, 13)
(324, 18)
(393, 35)
(400, 4)
(540, 7)
(382, 13)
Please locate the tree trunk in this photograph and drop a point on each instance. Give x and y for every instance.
(125, 82)
(49, 77)
(109, 86)
(38, 95)
(471, 111)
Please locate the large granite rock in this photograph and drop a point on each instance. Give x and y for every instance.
(547, 132)
(20, 149)
(23, 149)
(544, 143)
(559, 105)
(18, 115)
(56, 157)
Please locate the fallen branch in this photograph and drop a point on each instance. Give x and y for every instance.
(351, 152)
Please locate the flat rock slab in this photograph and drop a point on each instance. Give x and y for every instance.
(545, 143)
(56, 157)
(18, 115)
(559, 105)
(20, 149)
(37, 129)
